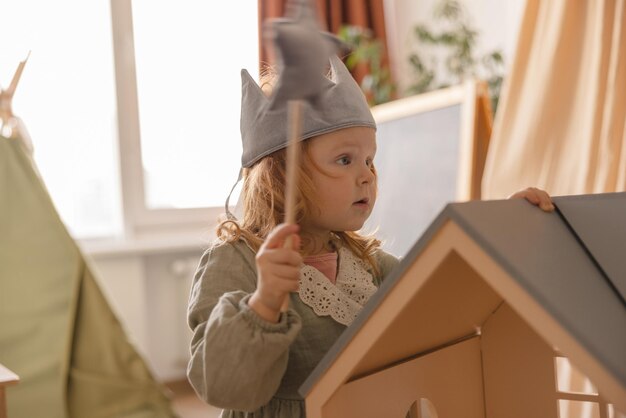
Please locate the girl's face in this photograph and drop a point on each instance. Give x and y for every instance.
(341, 168)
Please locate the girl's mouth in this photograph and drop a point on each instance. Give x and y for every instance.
(362, 202)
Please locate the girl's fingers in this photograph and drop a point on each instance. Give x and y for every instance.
(283, 256)
(547, 205)
(532, 196)
(276, 284)
(529, 194)
(297, 242)
(284, 272)
(288, 285)
(537, 197)
(543, 200)
(277, 237)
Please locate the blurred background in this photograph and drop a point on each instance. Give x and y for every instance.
(132, 108)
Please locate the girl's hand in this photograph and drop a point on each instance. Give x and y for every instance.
(278, 272)
(537, 197)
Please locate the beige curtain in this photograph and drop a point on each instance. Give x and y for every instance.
(561, 124)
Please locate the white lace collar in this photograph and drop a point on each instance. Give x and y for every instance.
(343, 300)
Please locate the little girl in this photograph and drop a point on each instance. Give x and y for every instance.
(246, 355)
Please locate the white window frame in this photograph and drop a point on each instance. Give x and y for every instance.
(140, 221)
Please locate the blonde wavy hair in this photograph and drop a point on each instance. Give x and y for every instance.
(263, 201)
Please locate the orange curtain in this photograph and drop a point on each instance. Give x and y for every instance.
(562, 121)
(333, 14)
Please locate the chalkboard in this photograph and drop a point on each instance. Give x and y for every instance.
(428, 156)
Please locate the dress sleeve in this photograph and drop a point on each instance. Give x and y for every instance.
(237, 358)
(386, 263)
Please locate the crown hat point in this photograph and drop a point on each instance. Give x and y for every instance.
(304, 52)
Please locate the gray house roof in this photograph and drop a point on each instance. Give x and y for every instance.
(571, 261)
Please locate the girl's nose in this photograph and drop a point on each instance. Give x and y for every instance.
(366, 175)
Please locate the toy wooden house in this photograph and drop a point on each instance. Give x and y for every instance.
(499, 310)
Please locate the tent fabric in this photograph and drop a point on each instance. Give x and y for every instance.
(57, 331)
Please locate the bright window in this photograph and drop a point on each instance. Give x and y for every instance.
(166, 160)
(188, 56)
(66, 99)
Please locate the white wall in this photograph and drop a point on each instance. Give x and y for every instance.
(497, 20)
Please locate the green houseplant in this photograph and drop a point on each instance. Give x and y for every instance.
(368, 51)
(447, 56)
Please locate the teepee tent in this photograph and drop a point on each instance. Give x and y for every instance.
(57, 330)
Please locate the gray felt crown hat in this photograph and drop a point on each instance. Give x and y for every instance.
(339, 104)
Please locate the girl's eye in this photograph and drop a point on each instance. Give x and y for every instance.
(344, 160)
(369, 162)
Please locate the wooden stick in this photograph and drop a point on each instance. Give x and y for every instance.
(294, 123)
(17, 76)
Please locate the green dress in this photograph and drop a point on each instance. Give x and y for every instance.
(254, 368)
